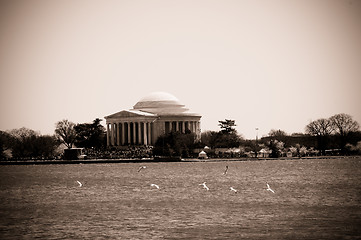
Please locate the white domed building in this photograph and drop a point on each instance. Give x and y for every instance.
(155, 114)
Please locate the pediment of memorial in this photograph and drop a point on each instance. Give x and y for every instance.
(130, 114)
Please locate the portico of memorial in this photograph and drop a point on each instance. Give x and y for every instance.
(155, 114)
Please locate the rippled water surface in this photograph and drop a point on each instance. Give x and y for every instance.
(313, 199)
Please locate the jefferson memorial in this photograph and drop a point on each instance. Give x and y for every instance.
(155, 114)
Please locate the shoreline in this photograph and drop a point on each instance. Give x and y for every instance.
(152, 160)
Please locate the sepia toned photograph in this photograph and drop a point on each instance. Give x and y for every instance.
(179, 119)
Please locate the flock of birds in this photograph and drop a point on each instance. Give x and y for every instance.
(202, 184)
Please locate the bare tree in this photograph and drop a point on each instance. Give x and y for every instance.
(22, 133)
(322, 129)
(277, 133)
(22, 142)
(343, 125)
(65, 132)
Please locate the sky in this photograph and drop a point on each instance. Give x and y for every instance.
(270, 64)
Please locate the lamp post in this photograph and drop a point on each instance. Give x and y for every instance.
(256, 149)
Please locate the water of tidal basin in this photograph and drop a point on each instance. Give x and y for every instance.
(314, 199)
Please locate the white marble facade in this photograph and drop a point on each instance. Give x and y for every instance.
(156, 114)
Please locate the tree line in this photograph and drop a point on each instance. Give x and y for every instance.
(338, 132)
(24, 143)
(340, 128)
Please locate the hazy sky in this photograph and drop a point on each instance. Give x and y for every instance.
(269, 64)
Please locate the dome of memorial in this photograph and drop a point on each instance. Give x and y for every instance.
(161, 103)
(156, 99)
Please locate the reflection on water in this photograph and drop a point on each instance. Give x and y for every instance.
(314, 199)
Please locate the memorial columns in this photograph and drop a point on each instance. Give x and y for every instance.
(149, 136)
(144, 130)
(108, 134)
(118, 133)
(115, 133)
(144, 135)
(134, 133)
(139, 133)
(112, 134)
(128, 137)
(125, 133)
(122, 133)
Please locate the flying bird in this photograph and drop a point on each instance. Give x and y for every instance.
(269, 188)
(141, 167)
(234, 190)
(225, 171)
(204, 185)
(154, 185)
(80, 184)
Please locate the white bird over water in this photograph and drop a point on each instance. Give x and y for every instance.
(234, 190)
(225, 171)
(204, 185)
(154, 185)
(269, 188)
(141, 167)
(80, 184)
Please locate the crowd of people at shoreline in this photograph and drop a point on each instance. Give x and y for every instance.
(131, 152)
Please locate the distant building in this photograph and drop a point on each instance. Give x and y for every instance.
(155, 114)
